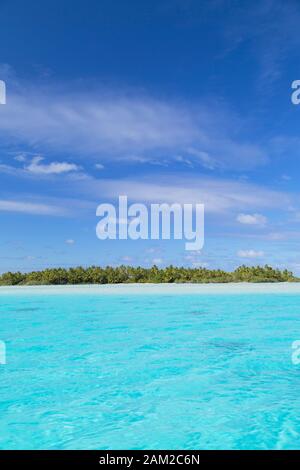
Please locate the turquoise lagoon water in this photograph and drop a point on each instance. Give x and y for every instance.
(146, 369)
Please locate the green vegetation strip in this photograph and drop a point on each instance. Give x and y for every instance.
(129, 274)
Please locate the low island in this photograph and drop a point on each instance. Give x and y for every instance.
(128, 274)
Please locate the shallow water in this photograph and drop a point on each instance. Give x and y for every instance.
(154, 370)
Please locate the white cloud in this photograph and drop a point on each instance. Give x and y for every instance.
(36, 168)
(54, 168)
(99, 166)
(252, 219)
(157, 261)
(30, 208)
(200, 264)
(20, 158)
(70, 241)
(250, 254)
(277, 236)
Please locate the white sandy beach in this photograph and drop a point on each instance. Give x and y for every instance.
(160, 289)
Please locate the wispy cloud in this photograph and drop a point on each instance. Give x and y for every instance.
(271, 29)
(111, 125)
(218, 195)
(30, 208)
(268, 29)
(39, 204)
(206, 160)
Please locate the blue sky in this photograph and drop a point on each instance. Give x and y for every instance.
(173, 101)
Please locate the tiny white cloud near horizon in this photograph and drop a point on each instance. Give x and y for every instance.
(252, 219)
(250, 254)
